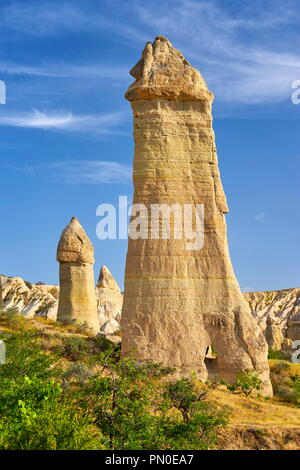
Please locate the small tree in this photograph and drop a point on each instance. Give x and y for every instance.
(121, 399)
(183, 396)
(200, 419)
(75, 348)
(246, 382)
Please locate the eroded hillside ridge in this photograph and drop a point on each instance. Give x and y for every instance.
(278, 311)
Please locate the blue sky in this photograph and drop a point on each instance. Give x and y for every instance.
(66, 144)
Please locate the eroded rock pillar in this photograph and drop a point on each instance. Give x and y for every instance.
(178, 302)
(77, 298)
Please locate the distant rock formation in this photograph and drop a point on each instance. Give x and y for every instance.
(283, 306)
(77, 299)
(109, 302)
(273, 334)
(29, 299)
(178, 303)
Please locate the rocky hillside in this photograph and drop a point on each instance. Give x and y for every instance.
(42, 300)
(276, 312)
(29, 299)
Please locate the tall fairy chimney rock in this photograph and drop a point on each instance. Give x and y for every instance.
(77, 298)
(178, 302)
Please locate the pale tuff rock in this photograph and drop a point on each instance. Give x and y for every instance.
(29, 299)
(106, 280)
(177, 302)
(109, 302)
(273, 334)
(163, 72)
(283, 306)
(74, 245)
(77, 299)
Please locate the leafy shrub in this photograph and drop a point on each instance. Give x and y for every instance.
(83, 328)
(75, 348)
(34, 413)
(285, 393)
(285, 385)
(272, 354)
(24, 357)
(295, 379)
(12, 317)
(78, 372)
(66, 321)
(246, 382)
(281, 366)
(34, 417)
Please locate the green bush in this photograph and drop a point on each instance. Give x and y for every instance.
(105, 345)
(24, 357)
(34, 418)
(295, 379)
(246, 382)
(281, 366)
(83, 328)
(11, 316)
(34, 413)
(66, 321)
(75, 348)
(285, 393)
(285, 386)
(77, 372)
(272, 354)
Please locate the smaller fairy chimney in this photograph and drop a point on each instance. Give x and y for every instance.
(106, 280)
(77, 299)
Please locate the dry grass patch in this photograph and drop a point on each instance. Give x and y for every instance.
(247, 411)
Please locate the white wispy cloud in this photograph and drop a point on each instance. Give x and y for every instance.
(90, 172)
(66, 70)
(63, 120)
(260, 216)
(78, 171)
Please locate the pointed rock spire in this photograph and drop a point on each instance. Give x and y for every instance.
(106, 280)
